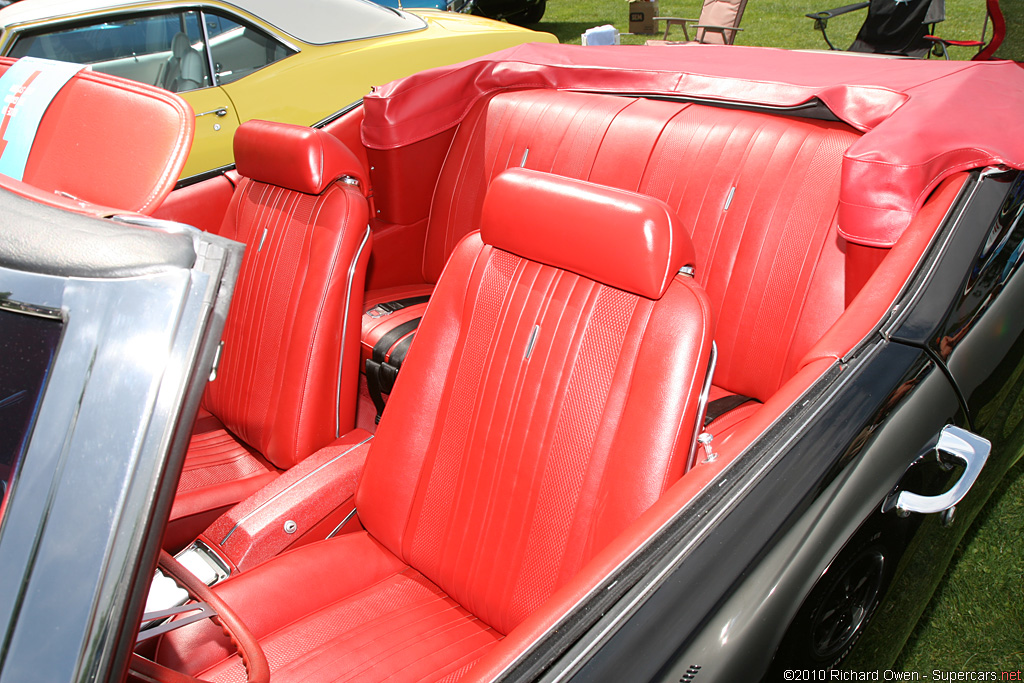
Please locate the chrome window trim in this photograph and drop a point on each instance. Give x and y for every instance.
(344, 329)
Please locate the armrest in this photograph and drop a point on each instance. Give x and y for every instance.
(832, 13)
(821, 19)
(309, 502)
(716, 26)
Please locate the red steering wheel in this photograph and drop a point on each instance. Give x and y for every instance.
(255, 662)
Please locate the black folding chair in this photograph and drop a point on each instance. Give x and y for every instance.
(895, 27)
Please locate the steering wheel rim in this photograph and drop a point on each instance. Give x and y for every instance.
(253, 659)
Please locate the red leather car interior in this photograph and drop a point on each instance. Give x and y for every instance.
(761, 210)
(107, 145)
(317, 496)
(550, 398)
(202, 205)
(287, 379)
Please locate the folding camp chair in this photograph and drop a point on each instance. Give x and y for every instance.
(718, 23)
(896, 28)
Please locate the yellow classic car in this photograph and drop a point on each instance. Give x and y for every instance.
(234, 61)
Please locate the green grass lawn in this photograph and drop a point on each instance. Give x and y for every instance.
(976, 619)
(772, 23)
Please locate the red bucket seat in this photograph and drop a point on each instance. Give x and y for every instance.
(550, 398)
(286, 384)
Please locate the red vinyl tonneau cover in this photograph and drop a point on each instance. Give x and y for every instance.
(922, 120)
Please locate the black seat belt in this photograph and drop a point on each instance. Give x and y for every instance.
(721, 406)
(389, 307)
(382, 367)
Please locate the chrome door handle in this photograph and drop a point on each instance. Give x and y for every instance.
(955, 444)
(219, 111)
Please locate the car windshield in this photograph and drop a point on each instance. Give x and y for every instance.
(321, 22)
(28, 344)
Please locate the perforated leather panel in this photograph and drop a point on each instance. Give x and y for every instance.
(277, 387)
(529, 468)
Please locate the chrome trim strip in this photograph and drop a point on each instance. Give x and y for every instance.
(702, 406)
(344, 330)
(163, 225)
(196, 611)
(205, 175)
(338, 528)
(913, 289)
(214, 81)
(533, 340)
(31, 309)
(338, 114)
(288, 488)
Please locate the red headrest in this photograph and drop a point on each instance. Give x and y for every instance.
(622, 239)
(104, 144)
(294, 157)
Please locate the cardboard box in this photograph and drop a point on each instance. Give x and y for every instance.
(641, 16)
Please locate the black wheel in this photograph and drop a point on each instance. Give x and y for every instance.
(530, 15)
(834, 615)
(842, 611)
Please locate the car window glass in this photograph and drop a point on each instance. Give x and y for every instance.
(27, 347)
(239, 49)
(164, 49)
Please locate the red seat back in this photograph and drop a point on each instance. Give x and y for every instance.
(287, 380)
(550, 397)
(107, 141)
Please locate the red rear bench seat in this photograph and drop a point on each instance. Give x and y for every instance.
(758, 193)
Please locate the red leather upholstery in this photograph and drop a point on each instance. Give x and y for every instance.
(537, 415)
(757, 192)
(317, 495)
(202, 205)
(343, 609)
(110, 142)
(621, 239)
(286, 385)
(219, 471)
(294, 157)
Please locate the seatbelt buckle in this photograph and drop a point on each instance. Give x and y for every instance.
(378, 311)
